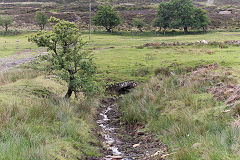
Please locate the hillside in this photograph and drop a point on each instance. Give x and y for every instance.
(223, 13)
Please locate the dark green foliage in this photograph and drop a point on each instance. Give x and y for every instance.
(164, 16)
(107, 17)
(41, 19)
(138, 23)
(201, 19)
(67, 58)
(183, 14)
(5, 22)
(180, 14)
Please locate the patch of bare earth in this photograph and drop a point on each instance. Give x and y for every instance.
(12, 61)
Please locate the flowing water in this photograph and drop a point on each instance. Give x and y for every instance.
(108, 133)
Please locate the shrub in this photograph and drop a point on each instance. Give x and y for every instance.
(138, 23)
(41, 19)
(107, 17)
(6, 22)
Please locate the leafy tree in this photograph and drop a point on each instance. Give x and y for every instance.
(67, 58)
(138, 23)
(164, 16)
(107, 17)
(183, 14)
(41, 19)
(180, 14)
(5, 22)
(200, 19)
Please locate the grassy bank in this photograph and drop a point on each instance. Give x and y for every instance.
(182, 114)
(36, 123)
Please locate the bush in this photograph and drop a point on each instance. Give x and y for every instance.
(107, 17)
(41, 19)
(6, 22)
(138, 23)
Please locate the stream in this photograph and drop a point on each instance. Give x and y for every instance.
(108, 133)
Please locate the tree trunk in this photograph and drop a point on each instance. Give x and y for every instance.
(204, 29)
(69, 93)
(164, 31)
(185, 30)
(6, 28)
(109, 30)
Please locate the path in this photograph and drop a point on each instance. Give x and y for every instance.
(12, 61)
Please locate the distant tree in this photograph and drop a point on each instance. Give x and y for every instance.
(200, 19)
(107, 17)
(6, 22)
(41, 19)
(180, 14)
(183, 14)
(138, 23)
(164, 16)
(67, 58)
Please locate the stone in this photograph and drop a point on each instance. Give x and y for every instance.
(225, 12)
(116, 157)
(140, 133)
(136, 145)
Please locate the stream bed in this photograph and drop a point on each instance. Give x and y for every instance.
(108, 133)
(125, 142)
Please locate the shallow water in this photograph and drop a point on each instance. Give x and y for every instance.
(107, 132)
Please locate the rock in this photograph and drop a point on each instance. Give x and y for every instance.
(225, 12)
(122, 88)
(116, 157)
(226, 111)
(204, 42)
(136, 145)
(140, 133)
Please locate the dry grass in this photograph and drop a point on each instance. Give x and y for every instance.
(35, 123)
(186, 118)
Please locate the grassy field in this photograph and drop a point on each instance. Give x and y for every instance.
(118, 59)
(34, 116)
(15, 44)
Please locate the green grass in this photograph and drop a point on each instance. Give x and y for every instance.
(36, 123)
(118, 58)
(49, 128)
(15, 44)
(184, 117)
(124, 60)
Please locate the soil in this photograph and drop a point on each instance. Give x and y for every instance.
(126, 142)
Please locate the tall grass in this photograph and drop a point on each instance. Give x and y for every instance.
(36, 124)
(185, 117)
